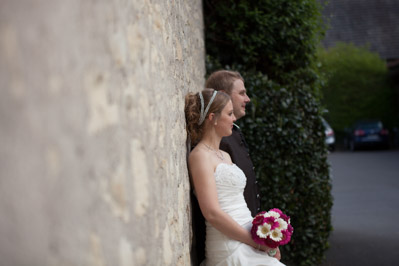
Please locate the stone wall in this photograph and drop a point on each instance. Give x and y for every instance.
(92, 159)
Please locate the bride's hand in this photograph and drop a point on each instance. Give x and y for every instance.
(267, 249)
(278, 254)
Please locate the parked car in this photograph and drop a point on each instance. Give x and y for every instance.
(395, 137)
(366, 133)
(330, 136)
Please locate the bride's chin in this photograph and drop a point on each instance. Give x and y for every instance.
(229, 133)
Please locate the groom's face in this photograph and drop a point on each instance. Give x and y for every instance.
(239, 98)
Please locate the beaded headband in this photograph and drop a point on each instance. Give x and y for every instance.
(203, 113)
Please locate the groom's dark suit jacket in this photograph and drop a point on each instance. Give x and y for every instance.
(236, 146)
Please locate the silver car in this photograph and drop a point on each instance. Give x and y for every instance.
(330, 137)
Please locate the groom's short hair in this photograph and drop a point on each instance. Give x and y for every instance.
(222, 80)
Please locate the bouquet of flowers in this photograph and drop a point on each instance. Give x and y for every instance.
(271, 228)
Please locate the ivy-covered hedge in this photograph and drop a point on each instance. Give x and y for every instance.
(273, 45)
(274, 37)
(286, 140)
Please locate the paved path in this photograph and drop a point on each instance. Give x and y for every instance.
(365, 214)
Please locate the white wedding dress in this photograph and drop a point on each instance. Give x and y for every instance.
(219, 249)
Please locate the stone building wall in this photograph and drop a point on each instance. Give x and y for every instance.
(372, 23)
(92, 159)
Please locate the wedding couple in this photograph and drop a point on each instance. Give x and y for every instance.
(217, 176)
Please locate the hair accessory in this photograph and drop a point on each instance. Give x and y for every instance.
(203, 113)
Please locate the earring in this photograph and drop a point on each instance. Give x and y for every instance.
(216, 123)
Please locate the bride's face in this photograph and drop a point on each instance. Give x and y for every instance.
(224, 122)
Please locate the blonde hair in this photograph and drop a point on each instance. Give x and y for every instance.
(222, 80)
(192, 111)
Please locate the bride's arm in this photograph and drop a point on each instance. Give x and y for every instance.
(202, 172)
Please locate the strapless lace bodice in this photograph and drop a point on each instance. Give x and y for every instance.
(230, 174)
(230, 183)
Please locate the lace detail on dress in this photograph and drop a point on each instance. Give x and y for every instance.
(230, 174)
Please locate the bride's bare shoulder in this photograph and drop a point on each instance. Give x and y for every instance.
(197, 154)
(200, 158)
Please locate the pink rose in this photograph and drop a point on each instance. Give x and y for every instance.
(258, 220)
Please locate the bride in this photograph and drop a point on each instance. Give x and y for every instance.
(219, 184)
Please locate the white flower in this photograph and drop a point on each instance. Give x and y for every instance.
(283, 225)
(263, 230)
(272, 213)
(276, 235)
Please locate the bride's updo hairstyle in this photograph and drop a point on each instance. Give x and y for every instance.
(192, 109)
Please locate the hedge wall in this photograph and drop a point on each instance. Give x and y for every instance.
(273, 45)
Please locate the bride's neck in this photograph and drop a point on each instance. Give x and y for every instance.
(211, 140)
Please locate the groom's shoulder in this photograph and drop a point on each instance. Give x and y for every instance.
(232, 140)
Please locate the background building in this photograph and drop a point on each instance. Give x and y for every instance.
(364, 22)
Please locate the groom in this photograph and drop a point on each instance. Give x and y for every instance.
(232, 83)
